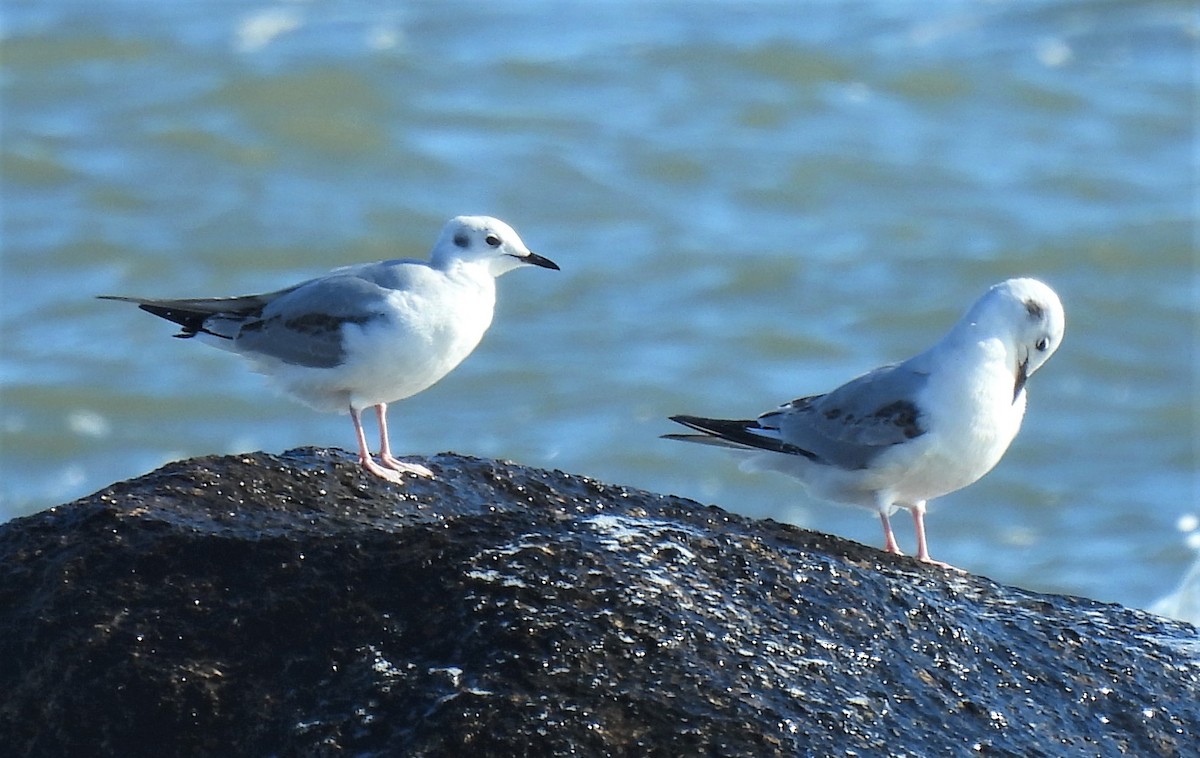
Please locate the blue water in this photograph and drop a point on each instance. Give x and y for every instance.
(750, 202)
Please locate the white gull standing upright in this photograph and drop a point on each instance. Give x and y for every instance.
(906, 433)
(366, 335)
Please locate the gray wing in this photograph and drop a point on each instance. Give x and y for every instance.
(854, 423)
(303, 326)
(300, 325)
(847, 427)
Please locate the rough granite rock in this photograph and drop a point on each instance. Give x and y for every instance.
(290, 605)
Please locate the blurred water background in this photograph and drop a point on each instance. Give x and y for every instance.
(750, 202)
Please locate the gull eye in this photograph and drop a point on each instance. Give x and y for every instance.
(1041, 345)
(492, 239)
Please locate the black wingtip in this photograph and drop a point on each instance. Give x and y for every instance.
(190, 321)
(707, 425)
(738, 432)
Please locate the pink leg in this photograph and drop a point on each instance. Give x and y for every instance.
(889, 544)
(385, 448)
(364, 454)
(918, 513)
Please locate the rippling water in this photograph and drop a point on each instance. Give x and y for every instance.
(750, 202)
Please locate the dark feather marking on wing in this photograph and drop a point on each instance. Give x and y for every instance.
(309, 323)
(306, 339)
(904, 415)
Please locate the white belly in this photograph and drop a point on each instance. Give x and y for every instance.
(388, 359)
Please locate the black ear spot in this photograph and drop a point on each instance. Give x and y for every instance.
(461, 239)
(1034, 309)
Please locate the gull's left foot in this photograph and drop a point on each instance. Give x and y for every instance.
(396, 464)
(386, 474)
(941, 564)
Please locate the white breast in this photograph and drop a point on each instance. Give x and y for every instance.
(971, 421)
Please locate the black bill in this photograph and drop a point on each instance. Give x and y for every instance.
(538, 260)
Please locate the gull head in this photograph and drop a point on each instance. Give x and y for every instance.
(487, 241)
(1027, 316)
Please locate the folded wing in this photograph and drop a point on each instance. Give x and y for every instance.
(847, 427)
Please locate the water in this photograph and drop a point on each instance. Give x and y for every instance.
(750, 202)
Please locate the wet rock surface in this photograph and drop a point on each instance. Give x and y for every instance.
(290, 605)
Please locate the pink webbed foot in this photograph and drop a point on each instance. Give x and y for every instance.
(399, 466)
(385, 449)
(941, 564)
(391, 470)
(387, 474)
(889, 539)
(918, 514)
(891, 546)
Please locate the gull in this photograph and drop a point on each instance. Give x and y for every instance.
(365, 335)
(908, 432)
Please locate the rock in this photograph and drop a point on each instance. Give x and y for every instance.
(290, 605)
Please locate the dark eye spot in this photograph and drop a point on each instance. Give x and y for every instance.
(493, 240)
(1041, 344)
(461, 239)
